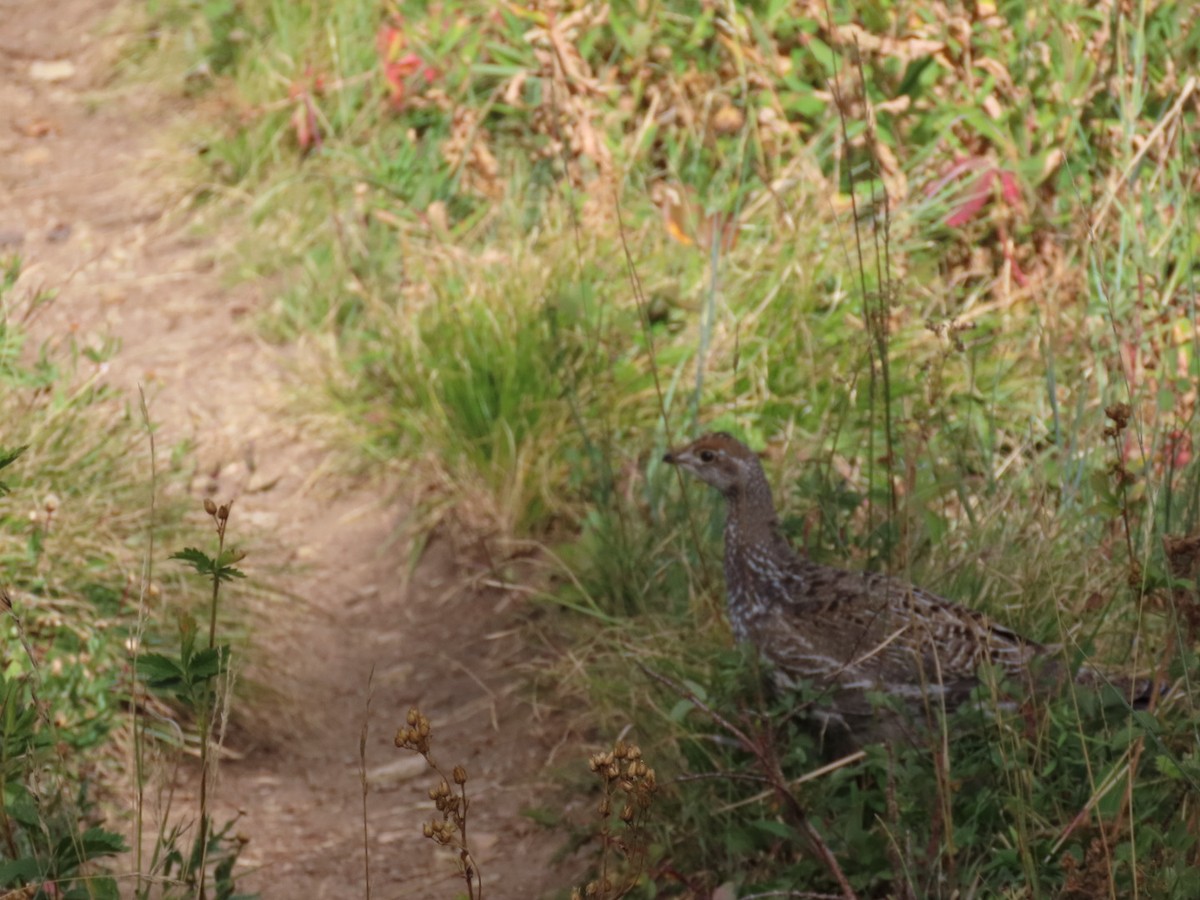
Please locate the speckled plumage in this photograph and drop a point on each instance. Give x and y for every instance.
(848, 633)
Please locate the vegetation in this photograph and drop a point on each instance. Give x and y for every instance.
(938, 261)
(79, 523)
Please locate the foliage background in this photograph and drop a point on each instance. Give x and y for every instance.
(937, 260)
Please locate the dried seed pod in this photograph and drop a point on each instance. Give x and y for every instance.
(1120, 413)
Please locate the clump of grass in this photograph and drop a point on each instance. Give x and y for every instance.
(80, 517)
(72, 519)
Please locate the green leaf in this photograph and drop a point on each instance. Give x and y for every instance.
(680, 710)
(1168, 767)
(208, 663)
(19, 870)
(159, 670)
(546, 818)
(22, 805)
(777, 829)
(99, 841)
(188, 629)
(197, 559)
(225, 571)
(74, 850)
(697, 689)
(9, 455)
(95, 887)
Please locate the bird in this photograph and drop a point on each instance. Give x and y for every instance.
(855, 636)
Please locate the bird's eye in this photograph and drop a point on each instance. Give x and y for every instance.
(707, 456)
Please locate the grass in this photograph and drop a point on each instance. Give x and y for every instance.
(938, 262)
(83, 506)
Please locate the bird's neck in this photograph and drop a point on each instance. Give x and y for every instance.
(756, 556)
(751, 515)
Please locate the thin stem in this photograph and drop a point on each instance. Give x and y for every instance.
(222, 519)
(135, 718)
(769, 764)
(474, 883)
(362, 778)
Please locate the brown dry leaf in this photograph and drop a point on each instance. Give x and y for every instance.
(1054, 159)
(996, 69)
(466, 149)
(567, 117)
(512, 90)
(727, 120)
(895, 182)
(895, 106)
(675, 212)
(438, 217)
(904, 49)
(1183, 554)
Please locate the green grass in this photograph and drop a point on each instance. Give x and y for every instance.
(502, 298)
(83, 598)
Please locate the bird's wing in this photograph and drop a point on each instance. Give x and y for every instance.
(866, 630)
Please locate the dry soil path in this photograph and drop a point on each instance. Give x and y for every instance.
(84, 199)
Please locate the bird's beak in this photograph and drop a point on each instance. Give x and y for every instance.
(669, 457)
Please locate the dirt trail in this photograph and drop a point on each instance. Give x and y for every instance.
(83, 200)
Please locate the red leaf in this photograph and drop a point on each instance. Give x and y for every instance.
(1008, 187)
(397, 73)
(305, 125)
(389, 41)
(1178, 449)
(978, 195)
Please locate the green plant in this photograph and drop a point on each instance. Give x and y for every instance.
(44, 830)
(7, 458)
(70, 533)
(197, 677)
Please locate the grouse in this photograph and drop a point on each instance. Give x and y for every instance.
(854, 634)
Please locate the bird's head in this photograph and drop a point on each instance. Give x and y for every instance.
(720, 460)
